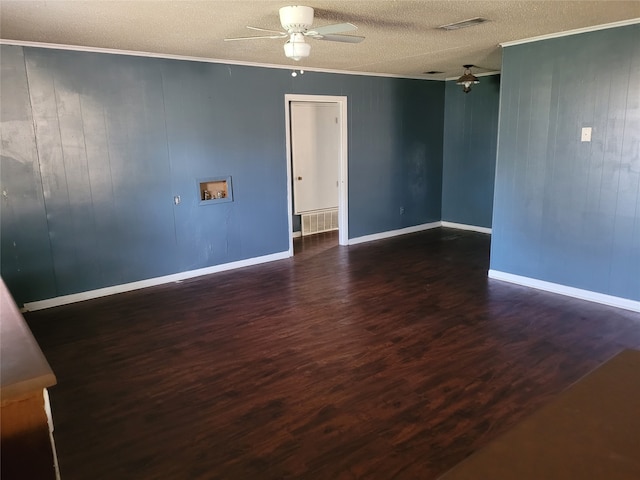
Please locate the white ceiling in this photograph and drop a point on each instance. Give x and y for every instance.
(401, 36)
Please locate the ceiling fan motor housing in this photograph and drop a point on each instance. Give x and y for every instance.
(296, 19)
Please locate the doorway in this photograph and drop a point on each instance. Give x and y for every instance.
(339, 105)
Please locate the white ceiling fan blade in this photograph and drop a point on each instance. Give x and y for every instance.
(340, 38)
(254, 38)
(279, 32)
(335, 28)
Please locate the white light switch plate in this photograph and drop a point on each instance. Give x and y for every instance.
(586, 134)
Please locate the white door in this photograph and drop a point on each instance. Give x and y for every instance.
(315, 151)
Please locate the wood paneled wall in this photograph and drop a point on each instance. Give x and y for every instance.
(566, 211)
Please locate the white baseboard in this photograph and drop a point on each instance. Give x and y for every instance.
(416, 228)
(297, 234)
(393, 233)
(127, 287)
(462, 226)
(588, 295)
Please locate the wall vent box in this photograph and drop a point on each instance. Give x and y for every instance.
(214, 190)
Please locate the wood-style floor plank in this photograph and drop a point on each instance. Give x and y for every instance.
(392, 359)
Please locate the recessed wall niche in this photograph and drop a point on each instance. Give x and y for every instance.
(214, 190)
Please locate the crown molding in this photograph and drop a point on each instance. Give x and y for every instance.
(577, 31)
(166, 56)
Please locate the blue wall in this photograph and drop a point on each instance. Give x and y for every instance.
(469, 152)
(564, 211)
(90, 188)
(27, 264)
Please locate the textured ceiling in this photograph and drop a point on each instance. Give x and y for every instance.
(401, 36)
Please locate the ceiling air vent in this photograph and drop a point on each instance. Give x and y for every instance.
(463, 24)
(432, 72)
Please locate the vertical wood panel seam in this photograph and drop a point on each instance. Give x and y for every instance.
(64, 165)
(604, 159)
(530, 93)
(108, 151)
(86, 156)
(553, 159)
(169, 159)
(496, 160)
(35, 142)
(113, 192)
(513, 189)
(616, 215)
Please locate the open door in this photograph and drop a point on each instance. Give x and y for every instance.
(315, 152)
(317, 167)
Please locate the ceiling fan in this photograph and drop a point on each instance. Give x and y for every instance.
(297, 21)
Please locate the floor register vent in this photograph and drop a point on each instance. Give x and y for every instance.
(320, 221)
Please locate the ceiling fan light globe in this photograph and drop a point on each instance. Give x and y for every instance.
(297, 50)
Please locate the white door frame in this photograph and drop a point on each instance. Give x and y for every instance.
(343, 192)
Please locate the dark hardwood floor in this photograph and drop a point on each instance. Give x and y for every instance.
(391, 359)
